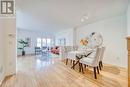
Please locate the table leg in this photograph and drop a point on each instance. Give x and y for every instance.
(75, 64)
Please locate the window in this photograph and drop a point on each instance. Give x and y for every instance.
(44, 42)
(39, 42)
(48, 42)
(52, 42)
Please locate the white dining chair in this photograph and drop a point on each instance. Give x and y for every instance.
(71, 51)
(72, 55)
(101, 58)
(93, 62)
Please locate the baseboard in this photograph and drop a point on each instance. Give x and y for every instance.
(124, 67)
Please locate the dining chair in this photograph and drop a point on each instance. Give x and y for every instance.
(64, 51)
(38, 50)
(72, 56)
(101, 58)
(76, 55)
(93, 62)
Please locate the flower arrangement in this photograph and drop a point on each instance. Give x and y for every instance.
(84, 42)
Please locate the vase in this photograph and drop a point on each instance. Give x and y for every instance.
(23, 53)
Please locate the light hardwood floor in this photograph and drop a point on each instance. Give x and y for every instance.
(52, 72)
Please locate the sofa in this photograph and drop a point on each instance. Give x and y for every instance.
(55, 50)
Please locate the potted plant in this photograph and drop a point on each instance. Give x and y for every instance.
(23, 44)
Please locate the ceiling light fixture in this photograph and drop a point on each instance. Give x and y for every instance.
(84, 18)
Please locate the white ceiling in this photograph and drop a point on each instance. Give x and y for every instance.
(55, 15)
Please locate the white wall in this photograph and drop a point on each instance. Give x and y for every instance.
(128, 21)
(2, 50)
(10, 35)
(22, 34)
(68, 34)
(114, 33)
(7, 47)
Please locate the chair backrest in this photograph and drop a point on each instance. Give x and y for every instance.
(102, 53)
(97, 57)
(64, 51)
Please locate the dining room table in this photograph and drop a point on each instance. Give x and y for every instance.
(77, 55)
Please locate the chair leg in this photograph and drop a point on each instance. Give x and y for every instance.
(66, 61)
(85, 66)
(79, 64)
(97, 70)
(70, 61)
(100, 65)
(73, 63)
(79, 67)
(82, 68)
(95, 76)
